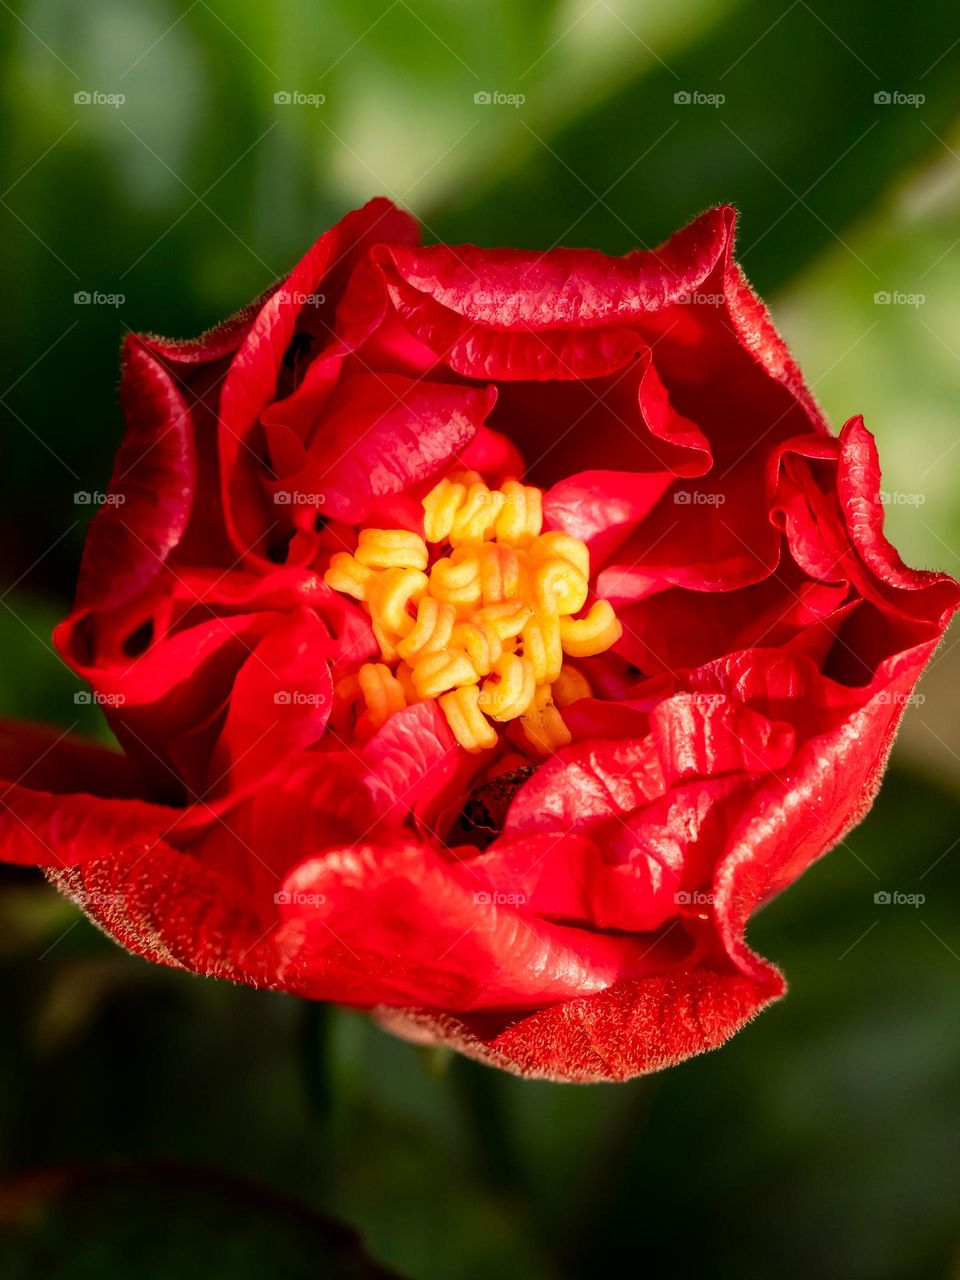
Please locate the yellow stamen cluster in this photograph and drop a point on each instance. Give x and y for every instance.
(483, 629)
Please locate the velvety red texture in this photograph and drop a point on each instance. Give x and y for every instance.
(580, 918)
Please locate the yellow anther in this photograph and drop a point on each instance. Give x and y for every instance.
(559, 588)
(456, 578)
(508, 618)
(467, 722)
(346, 574)
(392, 594)
(570, 686)
(388, 649)
(583, 637)
(480, 642)
(405, 677)
(509, 691)
(439, 672)
(477, 515)
(498, 609)
(382, 693)
(440, 506)
(501, 573)
(431, 631)
(561, 546)
(540, 640)
(521, 518)
(543, 723)
(347, 688)
(392, 549)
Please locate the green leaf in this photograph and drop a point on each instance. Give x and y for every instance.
(798, 144)
(159, 1222)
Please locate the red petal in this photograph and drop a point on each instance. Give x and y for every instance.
(152, 486)
(398, 924)
(279, 705)
(41, 828)
(628, 1030)
(382, 434)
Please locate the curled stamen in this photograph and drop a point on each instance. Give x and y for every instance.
(493, 619)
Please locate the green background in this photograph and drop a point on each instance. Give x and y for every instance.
(823, 1140)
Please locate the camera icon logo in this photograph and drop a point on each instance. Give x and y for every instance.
(82, 498)
(282, 498)
(682, 497)
(882, 898)
(483, 98)
(882, 98)
(83, 698)
(682, 97)
(82, 299)
(282, 98)
(282, 698)
(82, 98)
(282, 899)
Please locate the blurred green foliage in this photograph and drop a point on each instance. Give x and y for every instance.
(822, 1140)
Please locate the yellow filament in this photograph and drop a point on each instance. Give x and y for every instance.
(559, 588)
(543, 725)
(395, 590)
(561, 546)
(500, 573)
(348, 575)
(522, 515)
(570, 686)
(483, 630)
(481, 643)
(584, 637)
(439, 672)
(392, 549)
(508, 692)
(540, 639)
(477, 515)
(467, 722)
(382, 693)
(456, 578)
(431, 632)
(507, 617)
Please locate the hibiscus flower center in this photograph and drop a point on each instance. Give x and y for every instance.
(481, 613)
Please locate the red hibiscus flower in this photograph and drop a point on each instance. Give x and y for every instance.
(488, 634)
